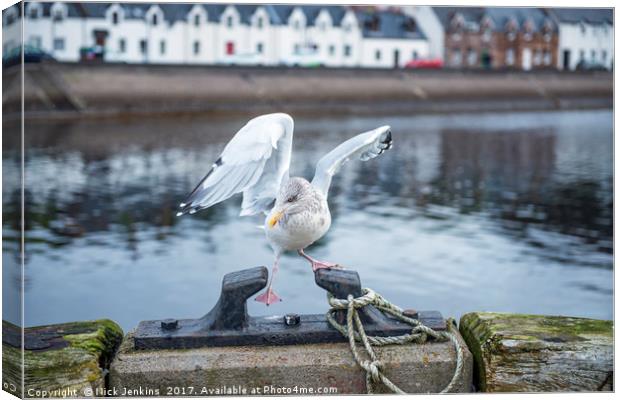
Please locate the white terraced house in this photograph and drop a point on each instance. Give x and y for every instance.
(585, 37)
(336, 36)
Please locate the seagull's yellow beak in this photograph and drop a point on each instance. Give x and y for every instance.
(275, 218)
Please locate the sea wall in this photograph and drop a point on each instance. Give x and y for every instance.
(77, 90)
(502, 353)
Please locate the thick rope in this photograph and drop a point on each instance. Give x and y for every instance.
(354, 331)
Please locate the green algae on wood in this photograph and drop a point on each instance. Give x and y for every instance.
(64, 359)
(538, 353)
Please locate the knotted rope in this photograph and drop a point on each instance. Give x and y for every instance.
(419, 334)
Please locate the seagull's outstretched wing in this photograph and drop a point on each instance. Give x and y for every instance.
(254, 162)
(364, 146)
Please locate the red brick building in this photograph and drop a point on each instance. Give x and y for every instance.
(498, 37)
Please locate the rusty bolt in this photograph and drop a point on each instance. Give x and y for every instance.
(292, 319)
(169, 324)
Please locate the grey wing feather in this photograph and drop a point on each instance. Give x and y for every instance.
(364, 146)
(254, 162)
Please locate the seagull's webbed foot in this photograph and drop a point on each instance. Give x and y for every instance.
(316, 264)
(324, 265)
(268, 297)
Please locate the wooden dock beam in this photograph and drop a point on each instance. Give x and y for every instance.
(537, 353)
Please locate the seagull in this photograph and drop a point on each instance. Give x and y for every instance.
(256, 163)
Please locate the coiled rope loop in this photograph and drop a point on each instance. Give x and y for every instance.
(354, 331)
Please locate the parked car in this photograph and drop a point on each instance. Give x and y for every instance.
(306, 57)
(584, 65)
(436, 63)
(89, 54)
(243, 59)
(31, 55)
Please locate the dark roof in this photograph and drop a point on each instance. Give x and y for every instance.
(470, 14)
(499, 15)
(589, 15)
(214, 11)
(389, 24)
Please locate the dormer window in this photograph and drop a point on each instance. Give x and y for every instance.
(229, 21)
(196, 20)
(372, 24)
(58, 15)
(409, 25)
(528, 28)
(115, 18)
(296, 25)
(33, 11)
(457, 23)
(259, 22)
(154, 20)
(10, 17)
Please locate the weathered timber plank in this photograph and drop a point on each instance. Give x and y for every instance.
(59, 360)
(537, 353)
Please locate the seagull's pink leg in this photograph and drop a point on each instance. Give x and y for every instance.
(269, 296)
(316, 264)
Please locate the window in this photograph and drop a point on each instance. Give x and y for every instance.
(582, 26)
(259, 48)
(35, 41)
(143, 46)
(230, 48)
(162, 47)
(33, 11)
(457, 58)
(547, 57)
(332, 49)
(229, 21)
(114, 18)
(347, 50)
(603, 55)
(323, 26)
(472, 57)
(122, 46)
(538, 56)
(58, 15)
(486, 35)
(510, 57)
(154, 20)
(378, 55)
(414, 55)
(197, 20)
(582, 55)
(347, 27)
(59, 44)
(196, 47)
(593, 55)
(259, 23)
(296, 25)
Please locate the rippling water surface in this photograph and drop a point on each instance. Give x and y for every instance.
(501, 212)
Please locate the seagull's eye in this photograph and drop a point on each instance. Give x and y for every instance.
(291, 199)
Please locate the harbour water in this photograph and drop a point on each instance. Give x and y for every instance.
(471, 212)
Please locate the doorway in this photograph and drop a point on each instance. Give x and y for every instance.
(566, 59)
(526, 60)
(396, 58)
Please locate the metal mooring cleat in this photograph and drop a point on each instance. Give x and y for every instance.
(228, 323)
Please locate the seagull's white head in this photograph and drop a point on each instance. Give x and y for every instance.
(296, 195)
